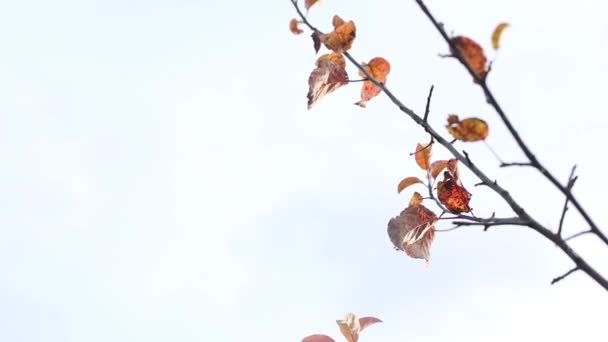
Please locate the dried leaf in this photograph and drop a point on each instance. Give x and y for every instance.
(326, 78)
(378, 68)
(423, 156)
(471, 53)
(318, 338)
(416, 199)
(437, 166)
(453, 195)
(413, 231)
(405, 182)
(333, 57)
(365, 322)
(309, 3)
(470, 129)
(350, 327)
(497, 34)
(341, 38)
(293, 26)
(316, 40)
(453, 167)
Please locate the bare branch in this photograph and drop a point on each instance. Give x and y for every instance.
(577, 235)
(428, 104)
(555, 280)
(515, 164)
(571, 180)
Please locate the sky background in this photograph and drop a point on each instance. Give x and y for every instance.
(162, 179)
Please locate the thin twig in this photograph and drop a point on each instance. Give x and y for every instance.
(571, 180)
(555, 280)
(577, 235)
(516, 164)
(428, 103)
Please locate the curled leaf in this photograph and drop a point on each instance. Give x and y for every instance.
(437, 166)
(316, 40)
(413, 231)
(333, 57)
(309, 3)
(351, 326)
(453, 195)
(497, 34)
(471, 53)
(378, 68)
(293, 26)
(325, 79)
(470, 129)
(342, 37)
(416, 199)
(405, 182)
(423, 156)
(318, 338)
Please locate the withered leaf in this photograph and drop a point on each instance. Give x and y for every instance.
(437, 166)
(341, 38)
(333, 57)
(416, 199)
(325, 79)
(309, 3)
(471, 53)
(378, 68)
(351, 326)
(293, 26)
(453, 195)
(318, 338)
(470, 129)
(407, 181)
(413, 231)
(497, 34)
(423, 155)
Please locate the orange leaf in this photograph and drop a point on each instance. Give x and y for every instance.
(413, 231)
(471, 129)
(342, 37)
(423, 156)
(326, 78)
(333, 57)
(497, 34)
(437, 166)
(318, 338)
(453, 195)
(378, 68)
(405, 182)
(471, 53)
(416, 199)
(309, 3)
(293, 26)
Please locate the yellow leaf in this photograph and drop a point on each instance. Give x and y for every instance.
(470, 129)
(405, 182)
(497, 34)
(416, 199)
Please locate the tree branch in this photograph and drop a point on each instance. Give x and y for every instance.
(571, 180)
(555, 280)
(523, 146)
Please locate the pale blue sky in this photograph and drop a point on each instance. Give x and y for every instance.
(162, 179)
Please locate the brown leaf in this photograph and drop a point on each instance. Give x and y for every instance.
(309, 3)
(413, 231)
(333, 57)
(497, 34)
(378, 68)
(293, 26)
(318, 338)
(342, 37)
(453, 167)
(423, 156)
(326, 78)
(350, 327)
(471, 53)
(416, 199)
(316, 40)
(365, 322)
(437, 166)
(453, 195)
(470, 129)
(407, 181)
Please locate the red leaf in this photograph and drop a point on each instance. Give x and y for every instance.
(318, 338)
(405, 182)
(453, 195)
(325, 79)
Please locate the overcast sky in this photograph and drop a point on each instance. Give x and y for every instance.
(162, 179)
